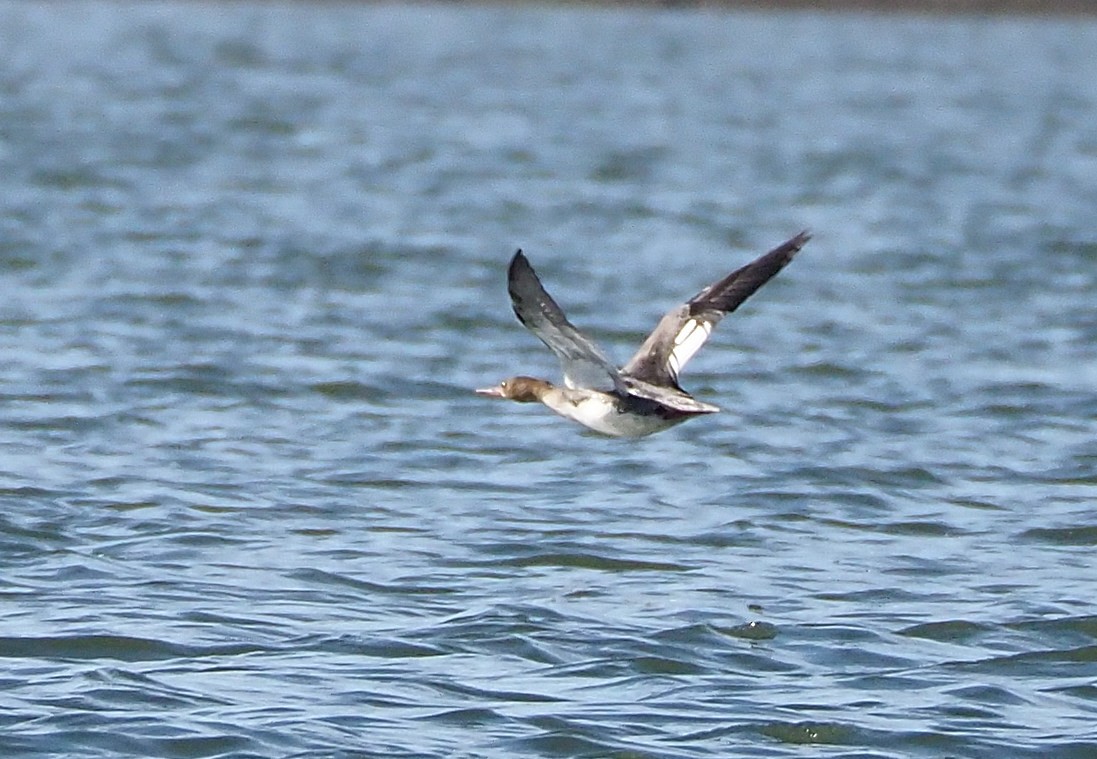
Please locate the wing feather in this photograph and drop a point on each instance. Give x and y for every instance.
(583, 362)
(685, 328)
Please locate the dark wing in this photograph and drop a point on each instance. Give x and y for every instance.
(685, 328)
(583, 362)
(668, 397)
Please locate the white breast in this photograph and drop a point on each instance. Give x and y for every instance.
(600, 413)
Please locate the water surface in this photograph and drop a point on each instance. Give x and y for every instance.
(252, 261)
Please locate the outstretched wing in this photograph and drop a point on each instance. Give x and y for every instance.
(583, 362)
(685, 328)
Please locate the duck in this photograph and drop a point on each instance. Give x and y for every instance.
(643, 396)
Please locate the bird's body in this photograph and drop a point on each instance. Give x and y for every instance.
(643, 396)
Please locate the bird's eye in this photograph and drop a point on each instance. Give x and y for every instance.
(504, 384)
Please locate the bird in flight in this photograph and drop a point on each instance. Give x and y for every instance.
(643, 396)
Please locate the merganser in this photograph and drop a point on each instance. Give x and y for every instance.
(643, 396)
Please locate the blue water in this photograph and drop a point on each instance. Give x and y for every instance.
(252, 261)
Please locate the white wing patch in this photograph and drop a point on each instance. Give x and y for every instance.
(688, 341)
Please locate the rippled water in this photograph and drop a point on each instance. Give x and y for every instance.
(253, 263)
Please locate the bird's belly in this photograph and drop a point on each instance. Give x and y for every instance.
(601, 414)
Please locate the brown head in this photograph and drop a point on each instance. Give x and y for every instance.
(520, 389)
